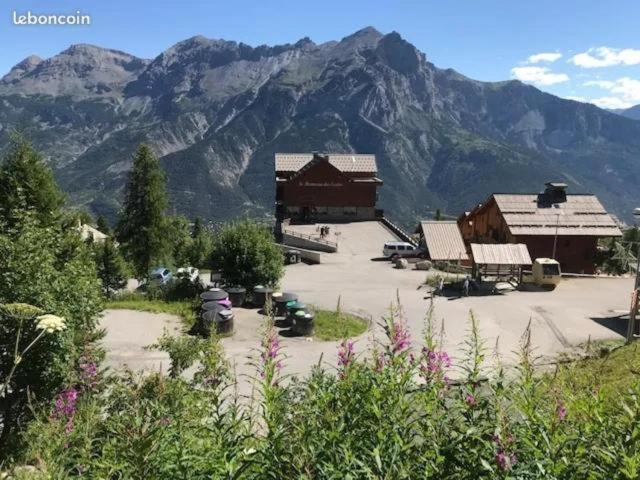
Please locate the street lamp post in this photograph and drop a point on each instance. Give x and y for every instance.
(634, 296)
(555, 237)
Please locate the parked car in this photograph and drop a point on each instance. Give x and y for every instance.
(161, 276)
(188, 273)
(400, 249)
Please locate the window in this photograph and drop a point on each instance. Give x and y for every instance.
(400, 247)
(550, 269)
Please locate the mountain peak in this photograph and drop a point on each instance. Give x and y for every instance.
(81, 70)
(365, 37)
(24, 67)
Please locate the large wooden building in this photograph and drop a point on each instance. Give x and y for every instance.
(326, 187)
(552, 224)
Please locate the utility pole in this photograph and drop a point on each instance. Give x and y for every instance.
(555, 237)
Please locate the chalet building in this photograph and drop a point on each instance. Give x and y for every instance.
(551, 224)
(326, 187)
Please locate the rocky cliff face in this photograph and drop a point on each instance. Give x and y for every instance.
(217, 111)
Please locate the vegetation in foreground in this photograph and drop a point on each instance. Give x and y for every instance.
(394, 415)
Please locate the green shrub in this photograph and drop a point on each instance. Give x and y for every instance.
(245, 253)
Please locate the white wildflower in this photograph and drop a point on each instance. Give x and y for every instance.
(50, 323)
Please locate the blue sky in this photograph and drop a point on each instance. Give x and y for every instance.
(591, 48)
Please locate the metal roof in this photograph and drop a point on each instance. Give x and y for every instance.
(349, 162)
(500, 254)
(444, 240)
(524, 214)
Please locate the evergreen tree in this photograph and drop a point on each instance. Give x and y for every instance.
(180, 240)
(103, 226)
(142, 227)
(112, 268)
(201, 245)
(438, 215)
(27, 184)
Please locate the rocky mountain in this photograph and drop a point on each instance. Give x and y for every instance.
(631, 112)
(216, 111)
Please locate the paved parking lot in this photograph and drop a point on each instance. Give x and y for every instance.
(576, 310)
(367, 285)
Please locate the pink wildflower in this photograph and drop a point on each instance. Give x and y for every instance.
(270, 353)
(65, 407)
(470, 399)
(561, 411)
(400, 337)
(345, 356)
(434, 362)
(505, 460)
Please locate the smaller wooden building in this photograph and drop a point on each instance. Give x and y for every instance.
(442, 241)
(551, 224)
(326, 187)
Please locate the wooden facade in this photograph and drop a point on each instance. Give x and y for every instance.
(325, 190)
(573, 222)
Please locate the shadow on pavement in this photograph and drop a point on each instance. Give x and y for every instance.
(617, 323)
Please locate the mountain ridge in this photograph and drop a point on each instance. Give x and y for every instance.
(215, 111)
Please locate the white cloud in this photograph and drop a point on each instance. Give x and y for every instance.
(606, 84)
(627, 89)
(544, 57)
(606, 57)
(611, 102)
(538, 75)
(576, 99)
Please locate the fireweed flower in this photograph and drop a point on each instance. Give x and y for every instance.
(50, 323)
(345, 356)
(505, 460)
(270, 352)
(561, 410)
(434, 362)
(88, 371)
(470, 399)
(400, 337)
(65, 407)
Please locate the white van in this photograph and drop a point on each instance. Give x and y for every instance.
(399, 249)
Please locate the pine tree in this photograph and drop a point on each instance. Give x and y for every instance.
(180, 240)
(112, 269)
(103, 226)
(201, 245)
(142, 227)
(438, 215)
(27, 184)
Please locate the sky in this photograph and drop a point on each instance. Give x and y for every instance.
(584, 50)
